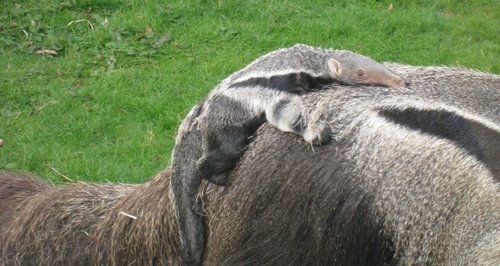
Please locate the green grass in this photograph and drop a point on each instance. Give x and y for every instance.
(108, 106)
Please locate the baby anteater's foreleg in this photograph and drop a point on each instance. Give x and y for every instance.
(222, 149)
(287, 114)
(225, 128)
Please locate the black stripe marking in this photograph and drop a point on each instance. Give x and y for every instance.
(299, 82)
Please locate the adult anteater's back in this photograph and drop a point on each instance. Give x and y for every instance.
(14, 188)
(86, 223)
(411, 179)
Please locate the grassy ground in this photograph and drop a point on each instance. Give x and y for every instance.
(107, 106)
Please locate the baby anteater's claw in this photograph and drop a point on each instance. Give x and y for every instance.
(318, 133)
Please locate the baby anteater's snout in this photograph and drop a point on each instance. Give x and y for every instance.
(395, 81)
(383, 77)
(401, 82)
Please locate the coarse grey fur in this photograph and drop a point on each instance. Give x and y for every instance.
(269, 89)
(411, 178)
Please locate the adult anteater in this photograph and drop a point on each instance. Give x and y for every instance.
(411, 178)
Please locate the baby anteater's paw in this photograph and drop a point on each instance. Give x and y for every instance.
(215, 166)
(318, 133)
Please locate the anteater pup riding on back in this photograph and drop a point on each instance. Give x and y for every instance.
(269, 90)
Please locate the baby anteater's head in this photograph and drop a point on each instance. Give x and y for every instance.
(352, 68)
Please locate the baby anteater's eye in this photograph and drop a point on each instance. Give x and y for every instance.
(360, 72)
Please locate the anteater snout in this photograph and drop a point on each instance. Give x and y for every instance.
(392, 80)
(403, 82)
(399, 82)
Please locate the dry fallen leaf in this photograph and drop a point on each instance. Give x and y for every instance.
(47, 52)
(164, 39)
(40, 106)
(78, 84)
(105, 23)
(2, 142)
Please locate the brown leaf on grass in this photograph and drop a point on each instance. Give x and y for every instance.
(81, 20)
(2, 142)
(78, 84)
(105, 23)
(47, 52)
(39, 107)
(13, 25)
(148, 30)
(164, 39)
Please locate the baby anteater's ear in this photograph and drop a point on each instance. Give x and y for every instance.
(334, 67)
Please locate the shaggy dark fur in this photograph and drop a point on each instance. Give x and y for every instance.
(411, 178)
(86, 224)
